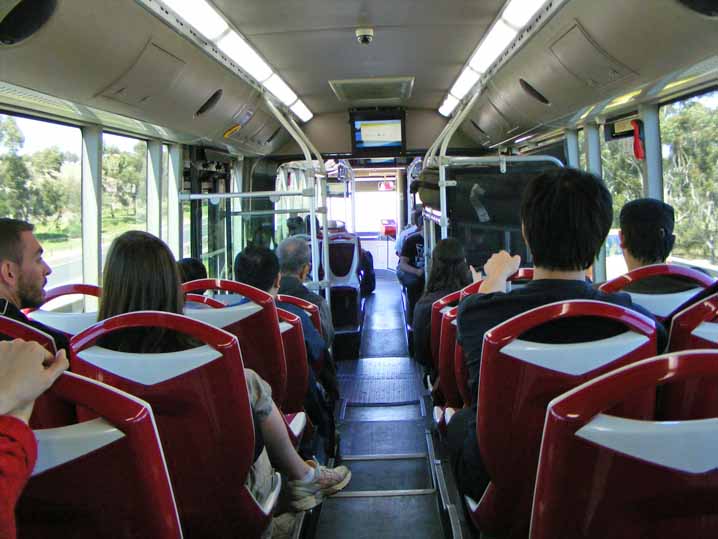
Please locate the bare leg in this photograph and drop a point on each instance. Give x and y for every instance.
(280, 449)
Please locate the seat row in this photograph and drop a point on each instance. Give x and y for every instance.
(519, 380)
(109, 464)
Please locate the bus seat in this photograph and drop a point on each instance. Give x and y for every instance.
(49, 411)
(518, 380)
(605, 476)
(199, 301)
(438, 308)
(447, 383)
(695, 326)
(69, 323)
(662, 306)
(254, 323)
(345, 280)
(203, 414)
(297, 374)
(106, 477)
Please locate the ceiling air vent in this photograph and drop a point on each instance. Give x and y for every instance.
(378, 91)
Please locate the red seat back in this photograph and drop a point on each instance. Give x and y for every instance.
(72, 289)
(203, 300)
(602, 476)
(49, 411)
(254, 323)
(438, 308)
(296, 360)
(662, 306)
(695, 326)
(518, 379)
(68, 323)
(307, 306)
(447, 342)
(199, 397)
(106, 477)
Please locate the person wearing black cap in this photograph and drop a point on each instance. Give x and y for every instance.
(646, 237)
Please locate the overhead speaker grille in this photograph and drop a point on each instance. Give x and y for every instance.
(377, 91)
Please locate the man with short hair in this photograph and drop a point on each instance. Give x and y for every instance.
(23, 275)
(294, 266)
(259, 267)
(410, 270)
(647, 238)
(565, 215)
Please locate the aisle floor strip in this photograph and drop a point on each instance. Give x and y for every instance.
(384, 493)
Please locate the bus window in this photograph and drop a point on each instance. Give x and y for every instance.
(622, 172)
(164, 220)
(40, 181)
(124, 187)
(690, 168)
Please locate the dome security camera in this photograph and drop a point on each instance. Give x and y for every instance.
(364, 35)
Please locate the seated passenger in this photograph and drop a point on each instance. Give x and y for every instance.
(449, 273)
(26, 371)
(646, 237)
(410, 270)
(259, 267)
(565, 215)
(408, 230)
(294, 267)
(191, 269)
(141, 274)
(23, 275)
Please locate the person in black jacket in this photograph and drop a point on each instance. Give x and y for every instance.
(23, 275)
(565, 216)
(449, 273)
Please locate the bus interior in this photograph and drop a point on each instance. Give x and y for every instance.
(217, 124)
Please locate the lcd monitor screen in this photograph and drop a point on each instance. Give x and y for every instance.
(377, 132)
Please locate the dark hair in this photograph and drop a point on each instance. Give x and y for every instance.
(141, 274)
(647, 227)
(449, 270)
(10, 242)
(566, 215)
(191, 269)
(256, 266)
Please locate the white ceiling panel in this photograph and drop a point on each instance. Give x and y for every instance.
(312, 42)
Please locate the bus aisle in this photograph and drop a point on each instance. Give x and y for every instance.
(385, 436)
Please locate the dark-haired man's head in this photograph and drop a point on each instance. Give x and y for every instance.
(293, 255)
(646, 232)
(566, 215)
(191, 269)
(23, 271)
(258, 266)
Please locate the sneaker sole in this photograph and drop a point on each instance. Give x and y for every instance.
(309, 502)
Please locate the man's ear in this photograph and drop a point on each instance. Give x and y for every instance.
(305, 271)
(8, 272)
(277, 280)
(620, 239)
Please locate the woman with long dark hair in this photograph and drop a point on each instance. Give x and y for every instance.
(449, 272)
(141, 274)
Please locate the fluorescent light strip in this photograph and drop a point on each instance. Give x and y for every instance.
(241, 52)
(280, 89)
(495, 42)
(464, 83)
(301, 110)
(201, 16)
(519, 12)
(448, 106)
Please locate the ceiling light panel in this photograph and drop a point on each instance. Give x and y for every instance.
(464, 83)
(519, 12)
(280, 89)
(201, 16)
(492, 46)
(301, 110)
(241, 52)
(448, 106)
